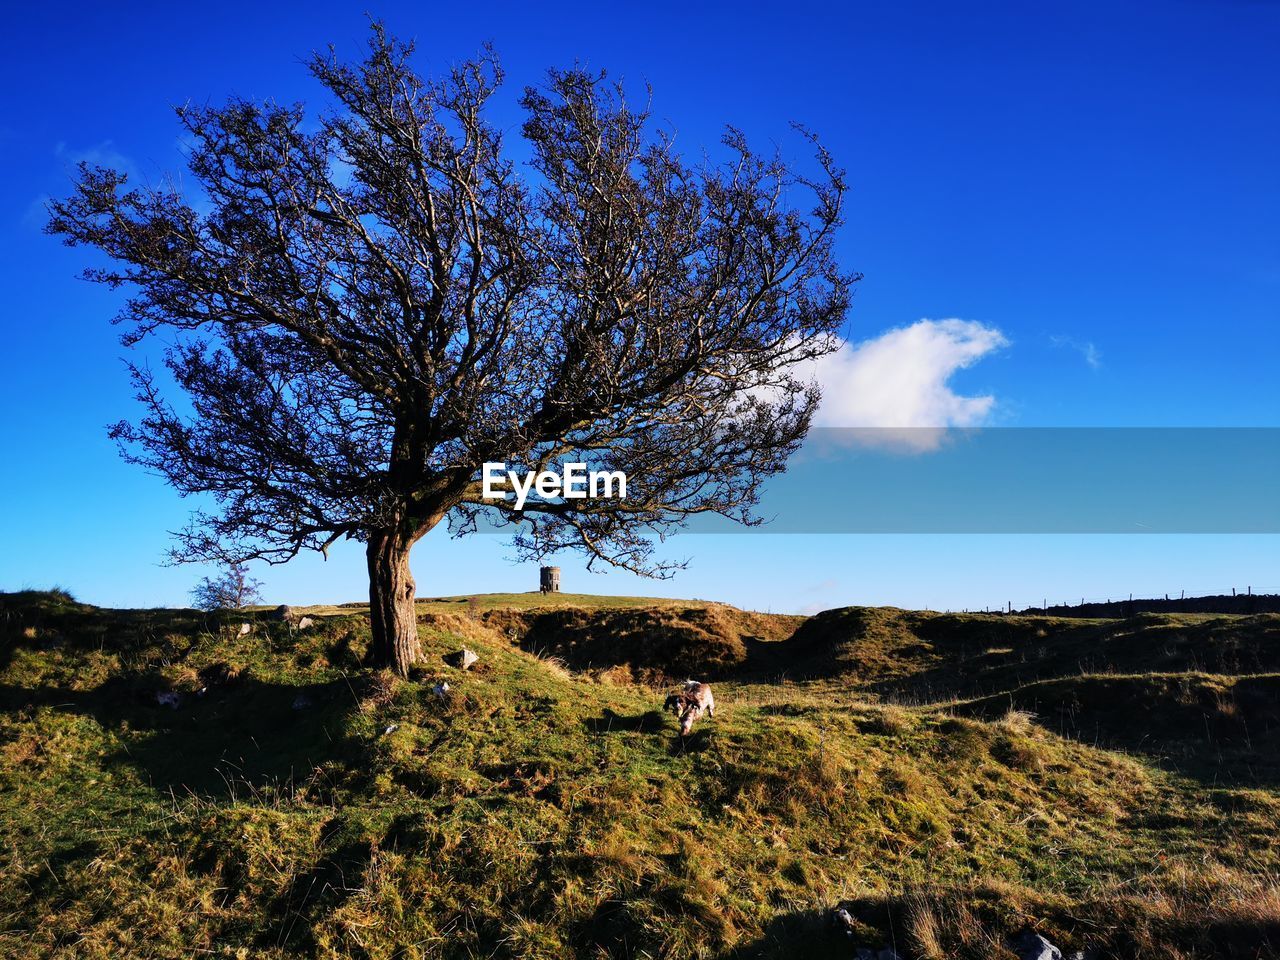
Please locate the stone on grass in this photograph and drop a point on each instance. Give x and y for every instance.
(463, 659)
(843, 920)
(282, 613)
(245, 629)
(306, 622)
(1029, 945)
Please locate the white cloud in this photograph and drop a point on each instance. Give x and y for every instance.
(1087, 349)
(898, 384)
(102, 154)
(37, 213)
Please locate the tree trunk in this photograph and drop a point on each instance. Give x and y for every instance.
(391, 609)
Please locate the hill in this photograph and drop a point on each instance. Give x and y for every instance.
(1237, 603)
(170, 787)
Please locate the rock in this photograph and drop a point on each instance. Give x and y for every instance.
(301, 702)
(306, 622)
(441, 690)
(843, 920)
(463, 659)
(391, 728)
(168, 698)
(245, 629)
(1029, 945)
(282, 613)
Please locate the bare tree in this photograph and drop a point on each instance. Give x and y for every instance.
(363, 311)
(230, 590)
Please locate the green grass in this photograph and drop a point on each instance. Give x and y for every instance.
(533, 600)
(305, 806)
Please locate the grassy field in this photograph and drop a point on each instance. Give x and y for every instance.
(953, 779)
(533, 600)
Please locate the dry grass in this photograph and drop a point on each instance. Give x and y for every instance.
(547, 809)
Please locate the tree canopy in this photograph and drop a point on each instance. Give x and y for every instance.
(362, 307)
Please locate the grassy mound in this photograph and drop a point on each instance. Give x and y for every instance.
(1215, 727)
(655, 644)
(933, 656)
(170, 787)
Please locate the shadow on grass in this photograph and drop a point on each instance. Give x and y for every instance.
(654, 722)
(615, 930)
(312, 895)
(650, 721)
(246, 735)
(798, 935)
(1220, 730)
(695, 742)
(52, 620)
(1099, 930)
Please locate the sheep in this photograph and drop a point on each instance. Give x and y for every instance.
(693, 700)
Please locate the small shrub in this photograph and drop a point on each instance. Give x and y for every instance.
(895, 721)
(233, 589)
(1017, 721)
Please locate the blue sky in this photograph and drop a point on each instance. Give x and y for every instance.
(1090, 189)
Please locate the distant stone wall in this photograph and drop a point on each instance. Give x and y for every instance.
(1242, 603)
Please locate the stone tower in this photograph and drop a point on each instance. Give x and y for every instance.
(549, 580)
